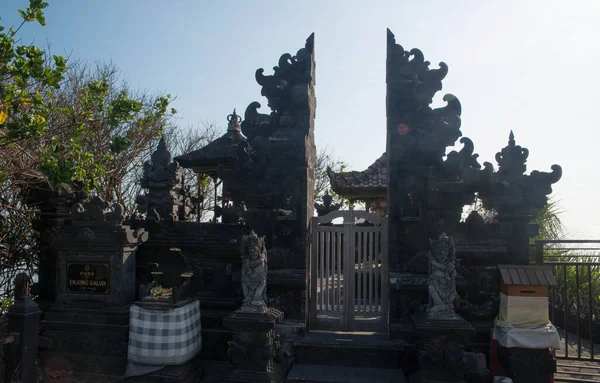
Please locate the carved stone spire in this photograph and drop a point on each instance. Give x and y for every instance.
(163, 179)
(234, 122)
(512, 158)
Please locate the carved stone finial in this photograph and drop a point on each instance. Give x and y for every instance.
(161, 168)
(327, 206)
(97, 211)
(162, 155)
(163, 179)
(234, 121)
(254, 273)
(512, 158)
(22, 286)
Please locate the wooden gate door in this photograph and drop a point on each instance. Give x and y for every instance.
(348, 273)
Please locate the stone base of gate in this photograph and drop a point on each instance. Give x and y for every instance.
(253, 347)
(440, 348)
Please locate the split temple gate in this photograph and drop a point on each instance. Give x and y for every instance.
(369, 272)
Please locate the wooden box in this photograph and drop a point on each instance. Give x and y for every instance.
(524, 292)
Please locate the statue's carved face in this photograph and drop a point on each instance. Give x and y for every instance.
(254, 246)
(441, 248)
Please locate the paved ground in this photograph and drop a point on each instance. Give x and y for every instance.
(569, 370)
(586, 346)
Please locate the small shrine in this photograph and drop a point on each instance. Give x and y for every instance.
(212, 160)
(368, 186)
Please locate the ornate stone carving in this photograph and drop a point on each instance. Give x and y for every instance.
(513, 193)
(96, 211)
(286, 90)
(279, 87)
(327, 206)
(161, 170)
(163, 179)
(22, 286)
(411, 88)
(254, 273)
(442, 275)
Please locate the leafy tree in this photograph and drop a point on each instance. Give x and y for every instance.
(327, 159)
(548, 218)
(64, 123)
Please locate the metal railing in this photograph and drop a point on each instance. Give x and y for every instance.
(575, 302)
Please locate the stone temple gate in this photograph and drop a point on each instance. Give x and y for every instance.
(370, 272)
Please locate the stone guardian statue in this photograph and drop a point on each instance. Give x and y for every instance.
(442, 277)
(254, 273)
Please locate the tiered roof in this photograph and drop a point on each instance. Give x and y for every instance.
(222, 151)
(370, 183)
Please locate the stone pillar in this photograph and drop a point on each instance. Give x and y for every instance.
(527, 365)
(277, 184)
(24, 319)
(417, 138)
(54, 209)
(441, 347)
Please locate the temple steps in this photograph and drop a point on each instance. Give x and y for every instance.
(569, 370)
(307, 373)
(332, 357)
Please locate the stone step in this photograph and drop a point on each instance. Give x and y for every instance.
(585, 371)
(564, 378)
(307, 373)
(365, 350)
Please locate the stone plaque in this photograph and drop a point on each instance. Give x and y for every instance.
(87, 278)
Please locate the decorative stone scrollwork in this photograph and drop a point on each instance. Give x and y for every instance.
(97, 210)
(290, 71)
(456, 162)
(411, 88)
(513, 193)
(285, 90)
(327, 206)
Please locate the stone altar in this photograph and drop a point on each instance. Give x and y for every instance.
(87, 326)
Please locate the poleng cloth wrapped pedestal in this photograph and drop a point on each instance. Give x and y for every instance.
(169, 337)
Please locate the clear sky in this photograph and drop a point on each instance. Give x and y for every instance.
(527, 65)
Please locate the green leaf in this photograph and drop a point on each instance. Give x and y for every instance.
(23, 14)
(39, 16)
(119, 144)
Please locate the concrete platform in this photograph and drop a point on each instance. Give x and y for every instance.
(365, 350)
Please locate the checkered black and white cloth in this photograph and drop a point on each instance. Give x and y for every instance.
(164, 337)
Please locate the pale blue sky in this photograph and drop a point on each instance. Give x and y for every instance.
(526, 65)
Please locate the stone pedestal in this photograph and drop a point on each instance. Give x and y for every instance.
(253, 347)
(441, 348)
(527, 364)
